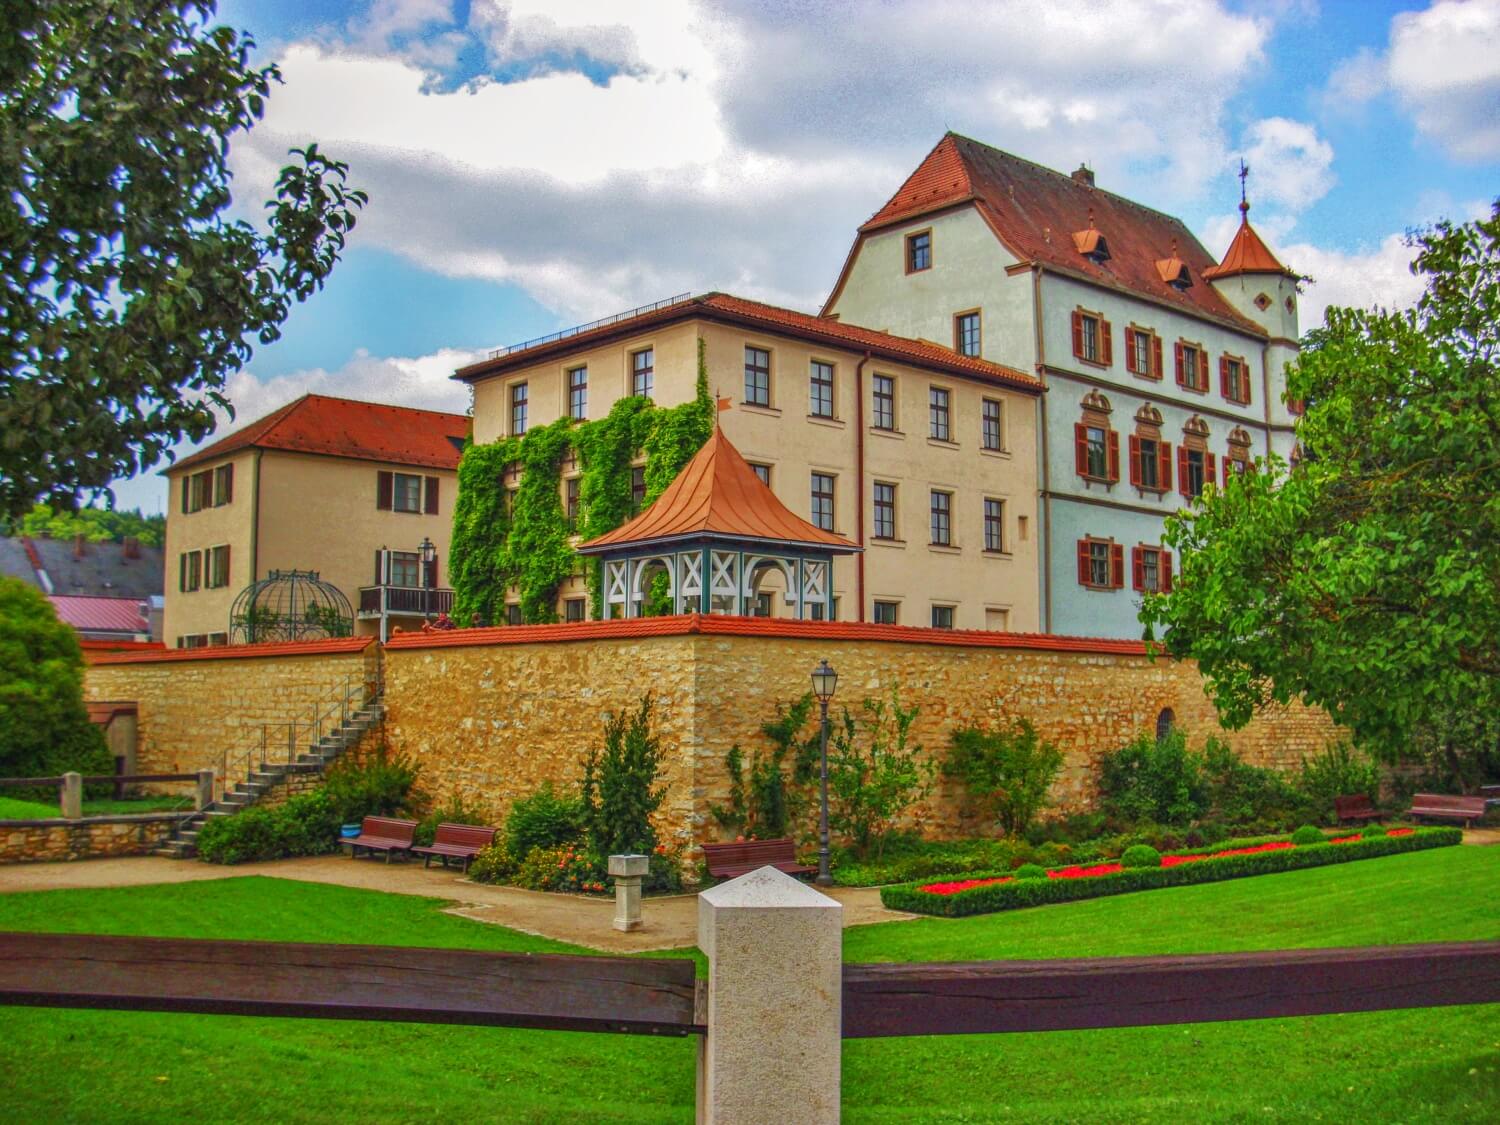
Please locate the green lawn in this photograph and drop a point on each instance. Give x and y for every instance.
(13, 809)
(1398, 1066)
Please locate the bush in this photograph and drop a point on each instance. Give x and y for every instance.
(377, 783)
(44, 726)
(665, 876)
(619, 791)
(307, 824)
(1242, 794)
(1154, 779)
(543, 820)
(759, 805)
(1006, 772)
(1141, 855)
(455, 811)
(1038, 892)
(908, 857)
(567, 868)
(1338, 771)
(1074, 828)
(1372, 832)
(493, 865)
(874, 774)
(1307, 834)
(1031, 871)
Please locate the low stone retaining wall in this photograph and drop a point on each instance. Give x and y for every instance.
(90, 837)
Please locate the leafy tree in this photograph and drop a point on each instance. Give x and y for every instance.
(619, 790)
(1154, 779)
(44, 726)
(98, 525)
(1007, 772)
(1366, 580)
(874, 772)
(128, 298)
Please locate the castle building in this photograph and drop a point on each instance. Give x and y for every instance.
(1163, 369)
(919, 455)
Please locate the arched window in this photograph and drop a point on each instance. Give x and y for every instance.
(1150, 457)
(1195, 464)
(1165, 722)
(1096, 447)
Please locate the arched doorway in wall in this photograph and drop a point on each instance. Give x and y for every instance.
(1166, 722)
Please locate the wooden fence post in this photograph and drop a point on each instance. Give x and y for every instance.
(72, 796)
(775, 996)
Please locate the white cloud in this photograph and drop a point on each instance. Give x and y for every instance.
(1293, 166)
(1371, 276)
(1356, 80)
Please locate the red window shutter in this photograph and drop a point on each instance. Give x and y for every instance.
(1166, 571)
(1081, 448)
(1106, 343)
(1077, 333)
(385, 486)
(1114, 456)
(1117, 566)
(1135, 460)
(1137, 569)
(1224, 377)
(1083, 562)
(1208, 468)
(1130, 351)
(1156, 357)
(1245, 382)
(1177, 351)
(430, 496)
(1228, 464)
(1164, 465)
(1202, 370)
(1182, 471)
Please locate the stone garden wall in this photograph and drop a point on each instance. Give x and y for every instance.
(92, 837)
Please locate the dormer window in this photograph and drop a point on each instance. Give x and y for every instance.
(1174, 272)
(1092, 244)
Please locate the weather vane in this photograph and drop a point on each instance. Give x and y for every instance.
(1244, 174)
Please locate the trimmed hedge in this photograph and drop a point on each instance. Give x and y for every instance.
(1039, 892)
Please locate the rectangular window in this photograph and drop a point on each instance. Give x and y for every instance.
(1101, 564)
(1091, 338)
(1235, 379)
(762, 606)
(883, 387)
(407, 492)
(223, 485)
(994, 525)
(1152, 567)
(818, 611)
(572, 491)
(199, 489)
(942, 617)
(643, 372)
(763, 472)
(1148, 462)
(1098, 459)
(885, 613)
(989, 426)
(637, 488)
(575, 609)
(919, 251)
(966, 333)
(885, 510)
(820, 390)
(403, 568)
(216, 560)
(513, 614)
(190, 571)
(1098, 563)
(757, 376)
(938, 415)
(578, 393)
(1193, 482)
(822, 501)
(942, 518)
(517, 409)
(1192, 367)
(1143, 352)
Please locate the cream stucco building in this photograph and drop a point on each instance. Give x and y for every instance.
(1164, 369)
(923, 457)
(348, 489)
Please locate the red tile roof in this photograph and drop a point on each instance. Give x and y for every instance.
(717, 494)
(235, 652)
(716, 625)
(729, 309)
(343, 427)
(101, 615)
(1036, 212)
(1247, 253)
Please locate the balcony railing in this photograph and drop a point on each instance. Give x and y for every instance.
(404, 601)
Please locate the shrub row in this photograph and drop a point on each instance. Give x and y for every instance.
(1039, 892)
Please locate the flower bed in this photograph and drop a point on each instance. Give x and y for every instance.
(985, 893)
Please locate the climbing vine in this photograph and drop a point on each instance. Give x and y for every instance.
(523, 542)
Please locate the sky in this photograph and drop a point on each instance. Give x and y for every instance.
(534, 164)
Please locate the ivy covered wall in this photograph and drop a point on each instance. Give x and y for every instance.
(500, 542)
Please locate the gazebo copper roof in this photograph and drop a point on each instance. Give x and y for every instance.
(718, 496)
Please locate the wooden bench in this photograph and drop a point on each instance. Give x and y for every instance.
(383, 834)
(1444, 806)
(1355, 807)
(725, 861)
(456, 841)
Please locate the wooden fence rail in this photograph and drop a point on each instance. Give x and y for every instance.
(92, 779)
(657, 997)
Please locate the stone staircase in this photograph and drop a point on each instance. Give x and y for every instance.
(269, 779)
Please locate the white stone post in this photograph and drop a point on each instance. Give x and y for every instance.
(72, 796)
(775, 1000)
(627, 871)
(204, 795)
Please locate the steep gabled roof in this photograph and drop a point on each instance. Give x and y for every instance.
(1247, 253)
(343, 427)
(718, 495)
(102, 615)
(1035, 212)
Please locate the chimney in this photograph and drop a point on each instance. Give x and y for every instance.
(131, 547)
(1084, 175)
(78, 546)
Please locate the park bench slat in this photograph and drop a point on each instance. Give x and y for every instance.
(365, 982)
(382, 834)
(1447, 806)
(456, 841)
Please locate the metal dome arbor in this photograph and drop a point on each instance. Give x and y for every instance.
(290, 605)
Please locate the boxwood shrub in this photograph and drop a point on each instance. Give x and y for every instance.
(1141, 855)
(1307, 834)
(1039, 892)
(1031, 871)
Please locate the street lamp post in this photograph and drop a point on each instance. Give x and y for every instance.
(428, 553)
(825, 682)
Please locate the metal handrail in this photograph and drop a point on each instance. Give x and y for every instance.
(568, 333)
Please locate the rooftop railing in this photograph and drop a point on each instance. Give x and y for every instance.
(578, 330)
